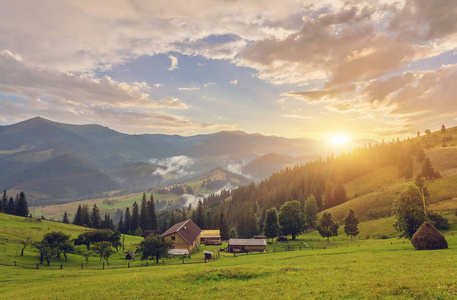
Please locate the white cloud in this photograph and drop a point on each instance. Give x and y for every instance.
(234, 82)
(174, 167)
(174, 63)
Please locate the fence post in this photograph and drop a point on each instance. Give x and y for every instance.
(14, 263)
(183, 260)
(61, 266)
(146, 264)
(300, 247)
(324, 247)
(37, 266)
(312, 247)
(163, 262)
(129, 265)
(82, 266)
(205, 259)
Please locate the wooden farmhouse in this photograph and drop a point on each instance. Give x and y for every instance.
(211, 237)
(247, 245)
(185, 235)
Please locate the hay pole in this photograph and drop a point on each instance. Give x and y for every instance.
(423, 201)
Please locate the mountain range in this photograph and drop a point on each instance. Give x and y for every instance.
(56, 163)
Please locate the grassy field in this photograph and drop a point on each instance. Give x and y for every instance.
(359, 269)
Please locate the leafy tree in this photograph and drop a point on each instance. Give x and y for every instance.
(60, 242)
(154, 247)
(83, 239)
(327, 226)
(271, 226)
(65, 218)
(22, 208)
(428, 132)
(310, 210)
(144, 214)
(95, 219)
(439, 221)
(351, 224)
(138, 232)
(135, 222)
(46, 251)
(115, 240)
(152, 213)
(291, 219)
(104, 250)
(24, 244)
(409, 212)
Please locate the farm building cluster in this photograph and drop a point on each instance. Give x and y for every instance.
(187, 236)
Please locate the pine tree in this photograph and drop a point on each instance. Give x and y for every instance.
(3, 202)
(10, 208)
(120, 225)
(271, 227)
(351, 224)
(78, 217)
(223, 227)
(152, 213)
(201, 222)
(65, 218)
(428, 171)
(327, 226)
(85, 217)
(95, 218)
(135, 222)
(22, 208)
(164, 226)
(127, 221)
(144, 215)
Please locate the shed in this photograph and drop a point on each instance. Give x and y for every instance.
(208, 254)
(130, 255)
(185, 235)
(211, 237)
(247, 245)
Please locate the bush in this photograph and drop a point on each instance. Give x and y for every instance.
(439, 221)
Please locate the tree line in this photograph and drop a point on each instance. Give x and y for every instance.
(14, 206)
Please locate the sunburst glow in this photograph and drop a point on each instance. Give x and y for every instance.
(339, 140)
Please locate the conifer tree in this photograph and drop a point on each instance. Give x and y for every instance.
(428, 171)
(135, 222)
(78, 216)
(152, 213)
(10, 208)
(95, 218)
(85, 217)
(223, 227)
(351, 224)
(200, 221)
(4, 202)
(22, 208)
(120, 225)
(327, 226)
(144, 215)
(127, 221)
(65, 218)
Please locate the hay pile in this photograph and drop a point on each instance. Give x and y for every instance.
(427, 237)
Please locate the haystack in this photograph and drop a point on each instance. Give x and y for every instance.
(427, 237)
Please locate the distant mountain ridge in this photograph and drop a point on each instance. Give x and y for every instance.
(32, 150)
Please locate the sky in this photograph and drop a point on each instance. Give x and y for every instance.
(376, 69)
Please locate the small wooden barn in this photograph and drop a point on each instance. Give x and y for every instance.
(185, 235)
(211, 237)
(247, 245)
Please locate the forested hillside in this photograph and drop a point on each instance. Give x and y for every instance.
(368, 178)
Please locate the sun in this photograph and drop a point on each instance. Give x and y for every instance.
(339, 139)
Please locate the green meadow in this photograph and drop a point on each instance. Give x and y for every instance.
(364, 268)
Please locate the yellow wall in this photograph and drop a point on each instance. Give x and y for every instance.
(180, 243)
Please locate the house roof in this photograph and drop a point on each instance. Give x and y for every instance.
(178, 252)
(186, 229)
(247, 242)
(211, 233)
